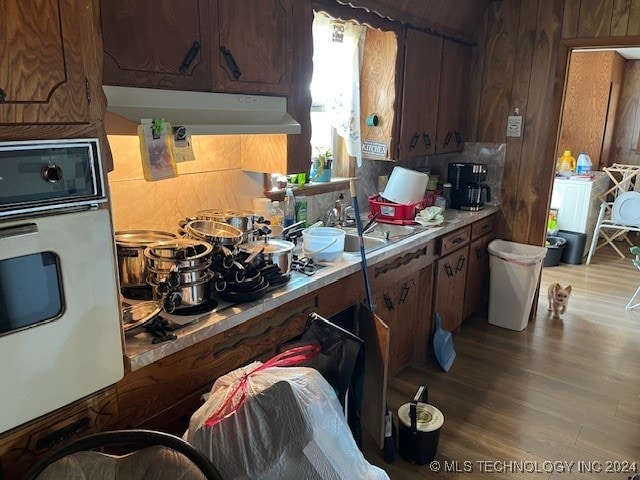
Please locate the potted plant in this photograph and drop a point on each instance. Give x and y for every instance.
(321, 165)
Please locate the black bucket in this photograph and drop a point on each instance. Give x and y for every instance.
(555, 247)
(420, 425)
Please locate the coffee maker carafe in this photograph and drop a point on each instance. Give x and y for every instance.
(467, 184)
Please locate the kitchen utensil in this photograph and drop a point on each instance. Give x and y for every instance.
(371, 223)
(405, 186)
(443, 345)
(213, 232)
(380, 348)
(277, 252)
(130, 246)
(419, 432)
(185, 252)
(134, 317)
(323, 244)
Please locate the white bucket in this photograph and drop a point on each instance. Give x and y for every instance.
(323, 244)
(406, 186)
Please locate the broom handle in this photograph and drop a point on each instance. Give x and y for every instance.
(365, 270)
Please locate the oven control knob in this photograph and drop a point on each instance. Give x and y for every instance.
(52, 173)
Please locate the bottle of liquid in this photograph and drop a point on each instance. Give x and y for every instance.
(277, 215)
(301, 209)
(566, 164)
(584, 165)
(289, 209)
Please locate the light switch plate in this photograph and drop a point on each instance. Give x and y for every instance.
(514, 125)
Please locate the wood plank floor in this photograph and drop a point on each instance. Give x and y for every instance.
(559, 391)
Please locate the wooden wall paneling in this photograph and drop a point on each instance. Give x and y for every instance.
(595, 18)
(571, 17)
(617, 79)
(499, 65)
(586, 103)
(625, 137)
(633, 27)
(475, 80)
(299, 99)
(536, 178)
(620, 17)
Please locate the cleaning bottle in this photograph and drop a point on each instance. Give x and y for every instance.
(289, 209)
(301, 209)
(566, 164)
(584, 164)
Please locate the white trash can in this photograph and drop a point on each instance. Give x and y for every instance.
(514, 273)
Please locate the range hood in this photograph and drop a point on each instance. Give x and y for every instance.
(203, 113)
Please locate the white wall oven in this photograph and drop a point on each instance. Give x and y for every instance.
(60, 330)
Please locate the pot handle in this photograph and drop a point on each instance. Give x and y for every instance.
(422, 395)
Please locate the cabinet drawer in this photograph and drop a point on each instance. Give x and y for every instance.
(482, 227)
(455, 240)
(401, 266)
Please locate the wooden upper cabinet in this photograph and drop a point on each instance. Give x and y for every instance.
(157, 43)
(423, 53)
(42, 74)
(253, 46)
(454, 85)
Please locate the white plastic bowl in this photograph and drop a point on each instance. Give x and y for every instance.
(406, 186)
(323, 244)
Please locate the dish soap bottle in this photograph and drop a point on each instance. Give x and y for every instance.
(584, 164)
(566, 164)
(289, 209)
(277, 215)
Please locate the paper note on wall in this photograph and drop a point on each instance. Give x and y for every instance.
(155, 150)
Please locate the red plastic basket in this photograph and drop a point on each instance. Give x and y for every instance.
(399, 213)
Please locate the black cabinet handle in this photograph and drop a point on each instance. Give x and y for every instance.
(460, 264)
(231, 62)
(404, 293)
(427, 140)
(457, 240)
(414, 141)
(449, 270)
(190, 57)
(3, 95)
(64, 433)
(447, 139)
(388, 302)
(458, 138)
(479, 253)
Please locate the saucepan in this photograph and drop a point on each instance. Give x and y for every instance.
(277, 252)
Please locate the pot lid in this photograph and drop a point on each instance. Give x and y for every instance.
(224, 213)
(134, 316)
(141, 238)
(428, 417)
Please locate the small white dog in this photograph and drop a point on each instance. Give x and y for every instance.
(558, 299)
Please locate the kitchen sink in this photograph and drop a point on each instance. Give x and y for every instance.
(384, 231)
(352, 245)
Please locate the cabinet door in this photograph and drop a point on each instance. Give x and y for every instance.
(423, 53)
(42, 77)
(157, 43)
(452, 111)
(254, 46)
(451, 277)
(477, 283)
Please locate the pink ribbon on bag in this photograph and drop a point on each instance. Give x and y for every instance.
(291, 357)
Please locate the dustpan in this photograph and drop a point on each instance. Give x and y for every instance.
(443, 345)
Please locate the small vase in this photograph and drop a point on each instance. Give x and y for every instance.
(325, 176)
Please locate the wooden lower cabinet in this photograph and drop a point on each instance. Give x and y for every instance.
(477, 282)
(450, 277)
(23, 446)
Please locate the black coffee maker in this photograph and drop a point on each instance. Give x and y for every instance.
(467, 184)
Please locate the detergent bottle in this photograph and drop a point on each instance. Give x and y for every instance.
(584, 164)
(566, 164)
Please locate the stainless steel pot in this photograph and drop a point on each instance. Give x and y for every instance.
(245, 221)
(278, 252)
(130, 246)
(184, 275)
(183, 252)
(213, 232)
(185, 295)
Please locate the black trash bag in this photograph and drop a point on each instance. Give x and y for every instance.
(341, 363)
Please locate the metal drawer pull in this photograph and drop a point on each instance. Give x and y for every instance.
(457, 240)
(3, 95)
(460, 264)
(449, 270)
(388, 302)
(18, 230)
(404, 293)
(479, 253)
(64, 433)
(414, 141)
(427, 140)
(231, 62)
(191, 55)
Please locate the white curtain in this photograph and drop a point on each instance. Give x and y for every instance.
(337, 60)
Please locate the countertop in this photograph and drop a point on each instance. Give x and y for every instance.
(140, 352)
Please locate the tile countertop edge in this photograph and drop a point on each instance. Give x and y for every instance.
(140, 352)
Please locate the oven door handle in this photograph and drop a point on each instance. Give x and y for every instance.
(18, 230)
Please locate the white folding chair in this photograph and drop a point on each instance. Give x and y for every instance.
(622, 215)
(636, 262)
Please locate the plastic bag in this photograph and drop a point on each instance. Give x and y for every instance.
(289, 426)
